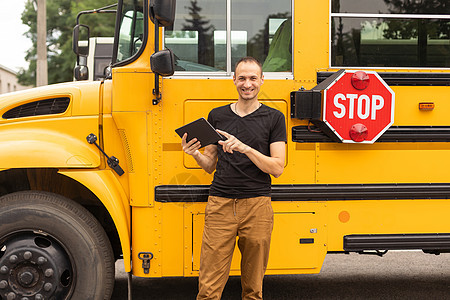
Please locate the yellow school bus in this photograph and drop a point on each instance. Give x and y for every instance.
(93, 171)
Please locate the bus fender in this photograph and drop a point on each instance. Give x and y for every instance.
(105, 185)
(41, 148)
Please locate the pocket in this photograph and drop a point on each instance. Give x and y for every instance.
(265, 210)
(209, 207)
(213, 207)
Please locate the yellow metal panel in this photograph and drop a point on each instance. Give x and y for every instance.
(190, 210)
(88, 102)
(286, 252)
(383, 162)
(107, 96)
(116, 144)
(134, 126)
(311, 40)
(59, 143)
(172, 239)
(385, 217)
(407, 99)
(132, 91)
(147, 237)
(105, 186)
(302, 167)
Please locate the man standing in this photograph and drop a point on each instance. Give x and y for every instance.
(239, 203)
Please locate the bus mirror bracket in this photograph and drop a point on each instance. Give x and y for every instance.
(162, 62)
(162, 13)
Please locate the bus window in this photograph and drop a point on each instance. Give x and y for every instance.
(439, 7)
(263, 25)
(262, 29)
(194, 36)
(384, 33)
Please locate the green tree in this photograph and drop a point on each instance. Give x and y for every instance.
(61, 18)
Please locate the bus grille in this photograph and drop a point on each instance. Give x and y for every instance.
(38, 108)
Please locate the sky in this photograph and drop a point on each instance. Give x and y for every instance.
(13, 43)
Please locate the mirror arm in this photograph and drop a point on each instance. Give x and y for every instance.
(95, 11)
(156, 91)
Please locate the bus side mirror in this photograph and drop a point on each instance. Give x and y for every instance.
(78, 30)
(163, 11)
(163, 62)
(81, 49)
(81, 72)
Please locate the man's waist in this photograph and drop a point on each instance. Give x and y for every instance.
(239, 193)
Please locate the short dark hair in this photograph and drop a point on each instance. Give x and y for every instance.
(248, 59)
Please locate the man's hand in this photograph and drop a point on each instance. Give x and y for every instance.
(190, 147)
(273, 164)
(207, 160)
(232, 143)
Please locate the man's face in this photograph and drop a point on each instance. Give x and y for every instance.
(248, 80)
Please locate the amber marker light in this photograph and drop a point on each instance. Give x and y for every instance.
(426, 106)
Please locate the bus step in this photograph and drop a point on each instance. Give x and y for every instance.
(428, 242)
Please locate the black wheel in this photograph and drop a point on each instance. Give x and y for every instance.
(52, 248)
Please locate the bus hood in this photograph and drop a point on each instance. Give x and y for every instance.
(65, 99)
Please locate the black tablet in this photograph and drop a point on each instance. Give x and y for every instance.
(200, 129)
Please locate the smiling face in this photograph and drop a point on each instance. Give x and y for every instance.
(248, 79)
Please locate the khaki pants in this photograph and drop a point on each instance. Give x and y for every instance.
(251, 219)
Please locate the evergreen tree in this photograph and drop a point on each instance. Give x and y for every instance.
(205, 33)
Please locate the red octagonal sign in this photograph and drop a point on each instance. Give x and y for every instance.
(358, 106)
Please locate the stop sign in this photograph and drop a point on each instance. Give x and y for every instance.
(358, 106)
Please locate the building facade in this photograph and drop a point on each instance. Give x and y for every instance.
(8, 81)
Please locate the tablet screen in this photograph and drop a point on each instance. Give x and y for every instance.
(200, 129)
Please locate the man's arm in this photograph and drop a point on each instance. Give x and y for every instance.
(208, 160)
(273, 164)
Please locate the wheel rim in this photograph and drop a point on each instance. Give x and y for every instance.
(34, 265)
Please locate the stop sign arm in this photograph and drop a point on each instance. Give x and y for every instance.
(356, 106)
(327, 82)
(307, 104)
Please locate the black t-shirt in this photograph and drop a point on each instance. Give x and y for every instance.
(236, 175)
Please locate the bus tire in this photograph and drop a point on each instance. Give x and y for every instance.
(52, 248)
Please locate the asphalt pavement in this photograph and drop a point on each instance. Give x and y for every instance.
(397, 275)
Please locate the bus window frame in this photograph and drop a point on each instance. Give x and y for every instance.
(135, 56)
(229, 73)
(379, 16)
